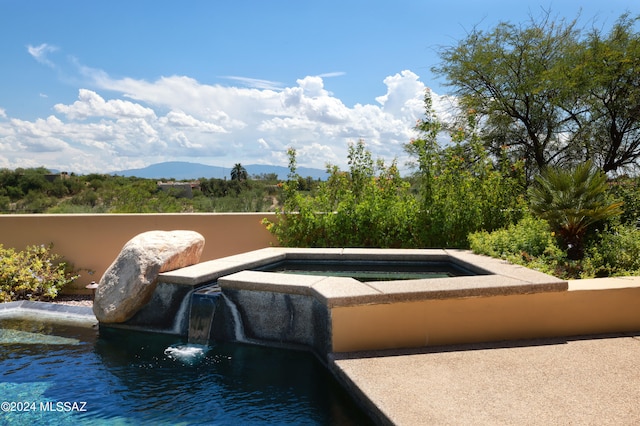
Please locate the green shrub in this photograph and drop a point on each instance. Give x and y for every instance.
(458, 189)
(461, 188)
(627, 190)
(530, 243)
(368, 206)
(35, 273)
(528, 238)
(614, 252)
(466, 193)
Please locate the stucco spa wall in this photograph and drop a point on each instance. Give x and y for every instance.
(587, 307)
(93, 241)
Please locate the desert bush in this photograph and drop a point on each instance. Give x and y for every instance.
(35, 273)
(461, 188)
(467, 193)
(626, 189)
(528, 238)
(615, 251)
(612, 251)
(368, 206)
(530, 243)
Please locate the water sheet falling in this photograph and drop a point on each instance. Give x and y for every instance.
(203, 308)
(202, 305)
(181, 315)
(237, 321)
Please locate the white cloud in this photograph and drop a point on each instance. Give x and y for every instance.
(256, 83)
(263, 143)
(180, 119)
(177, 117)
(332, 74)
(40, 53)
(317, 154)
(90, 104)
(3, 113)
(405, 93)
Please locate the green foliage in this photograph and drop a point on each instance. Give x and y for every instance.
(35, 273)
(239, 173)
(530, 237)
(461, 189)
(95, 193)
(628, 191)
(507, 74)
(572, 201)
(615, 252)
(368, 206)
(247, 200)
(220, 187)
(143, 196)
(606, 72)
(530, 243)
(30, 190)
(551, 92)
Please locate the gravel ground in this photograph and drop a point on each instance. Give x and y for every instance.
(75, 300)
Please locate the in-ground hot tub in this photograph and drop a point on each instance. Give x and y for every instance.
(329, 313)
(370, 270)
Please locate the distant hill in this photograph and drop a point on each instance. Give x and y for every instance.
(181, 170)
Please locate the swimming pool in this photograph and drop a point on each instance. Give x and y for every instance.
(63, 373)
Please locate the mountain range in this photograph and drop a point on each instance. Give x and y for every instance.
(182, 170)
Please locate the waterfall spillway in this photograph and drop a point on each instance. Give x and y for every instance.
(182, 314)
(203, 308)
(238, 327)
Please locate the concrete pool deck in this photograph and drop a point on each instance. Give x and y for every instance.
(591, 380)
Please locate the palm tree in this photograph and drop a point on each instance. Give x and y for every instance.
(239, 173)
(572, 200)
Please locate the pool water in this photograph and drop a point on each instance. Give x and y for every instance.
(56, 373)
(373, 270)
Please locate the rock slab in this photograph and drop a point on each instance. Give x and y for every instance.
(128, 284)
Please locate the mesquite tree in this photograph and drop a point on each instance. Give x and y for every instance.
(551, 93)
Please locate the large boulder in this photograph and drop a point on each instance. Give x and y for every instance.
(130, 281)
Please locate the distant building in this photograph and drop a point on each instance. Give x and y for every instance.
(53, 176)
(179, 189)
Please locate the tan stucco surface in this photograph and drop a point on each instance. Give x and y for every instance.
(485, 319)
(94, 241)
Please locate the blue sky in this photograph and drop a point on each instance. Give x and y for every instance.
(90, 86)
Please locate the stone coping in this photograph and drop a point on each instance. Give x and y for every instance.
(50, 311)
(496, 277)
(609, 283)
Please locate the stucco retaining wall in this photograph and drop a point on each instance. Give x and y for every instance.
(577, 311)
(92, 242)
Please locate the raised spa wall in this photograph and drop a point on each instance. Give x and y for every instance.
(338, 314)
